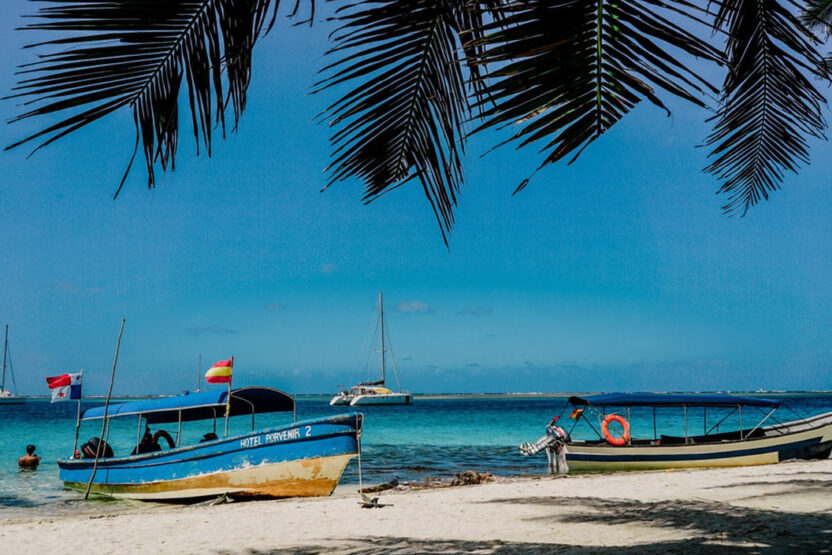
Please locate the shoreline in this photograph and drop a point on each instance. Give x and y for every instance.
(480, 395)
(785, 506)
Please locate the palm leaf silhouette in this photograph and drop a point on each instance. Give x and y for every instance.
(136, 53)
(559, 73)
(566, 70)
(769, 107)
(403, 117)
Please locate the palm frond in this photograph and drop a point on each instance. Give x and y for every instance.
(403, 117)
(136, 53)
(769, 107)
(567, 71)
(817, 16)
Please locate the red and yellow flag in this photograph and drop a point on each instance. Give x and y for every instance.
(576, 414)
(220, 372)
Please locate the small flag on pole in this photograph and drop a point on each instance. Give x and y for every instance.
(220, 372)
(576, 414)
(65, 387)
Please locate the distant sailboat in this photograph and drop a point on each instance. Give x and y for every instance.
(375, 393)
(6, 396)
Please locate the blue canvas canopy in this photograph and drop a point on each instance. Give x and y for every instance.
(200, 406)
(672, 399)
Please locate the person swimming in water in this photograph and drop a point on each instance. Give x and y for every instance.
(29, 460)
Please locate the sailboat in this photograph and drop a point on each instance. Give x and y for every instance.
(6, 396)
(377, 392)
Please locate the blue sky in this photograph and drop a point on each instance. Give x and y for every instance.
(615, 273)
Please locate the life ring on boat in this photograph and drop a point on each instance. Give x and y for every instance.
(164, 434)
(611, 439)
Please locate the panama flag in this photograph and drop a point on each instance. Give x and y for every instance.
(65, 387)
(220, 372)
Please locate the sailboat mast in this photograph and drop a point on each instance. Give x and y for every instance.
(381, 326)
(5, 352)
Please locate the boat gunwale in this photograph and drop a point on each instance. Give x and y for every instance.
(79, 464)
(745, 441)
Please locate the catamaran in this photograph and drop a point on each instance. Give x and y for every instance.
(375, 392)
(305, 458)
(760, 438)
(6, 396)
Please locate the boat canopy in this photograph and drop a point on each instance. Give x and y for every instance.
(672, 399)
(200, 406)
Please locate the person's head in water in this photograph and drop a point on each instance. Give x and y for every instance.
(29, 460)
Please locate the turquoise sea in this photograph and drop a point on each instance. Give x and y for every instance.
(434, 437)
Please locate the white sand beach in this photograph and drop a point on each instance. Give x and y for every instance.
(786, 507)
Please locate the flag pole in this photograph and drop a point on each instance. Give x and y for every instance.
(104, 420)
(228, 397)
(78, 413)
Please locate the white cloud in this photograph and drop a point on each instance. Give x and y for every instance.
(215, 330)
(476, 311)
(414, 306)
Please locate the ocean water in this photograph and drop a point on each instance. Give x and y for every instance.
(434, 437)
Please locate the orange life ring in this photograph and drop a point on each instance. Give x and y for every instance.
(611, 439)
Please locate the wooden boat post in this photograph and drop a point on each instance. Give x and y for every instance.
(139, 433)
(740, 407)
(629, 440)
(78, 415)
(228, 398)
(104, 420)
(655, 430)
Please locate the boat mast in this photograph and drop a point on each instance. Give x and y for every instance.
(381, 325)
(5, 351)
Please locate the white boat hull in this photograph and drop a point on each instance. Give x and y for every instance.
(381, 399)
(340, 400)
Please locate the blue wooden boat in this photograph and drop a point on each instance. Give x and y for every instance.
(760, 438)
(305, 458)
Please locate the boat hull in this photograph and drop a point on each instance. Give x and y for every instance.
(381, 399)
(815, 442)
(7, 398)
(340, 400)
(304, 459)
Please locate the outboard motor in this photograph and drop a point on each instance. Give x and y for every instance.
(89, 448)
(554, 442)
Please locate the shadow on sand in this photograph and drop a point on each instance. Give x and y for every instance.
(713, 527)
